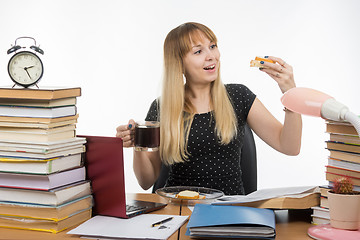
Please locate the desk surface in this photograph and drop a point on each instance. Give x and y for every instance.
(292, 224)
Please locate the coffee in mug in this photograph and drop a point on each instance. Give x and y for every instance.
(147, 136)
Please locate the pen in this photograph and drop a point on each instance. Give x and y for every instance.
(161, 222)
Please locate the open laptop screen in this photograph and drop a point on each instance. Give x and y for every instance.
(105, 169)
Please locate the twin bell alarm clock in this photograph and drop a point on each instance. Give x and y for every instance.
(25, 67)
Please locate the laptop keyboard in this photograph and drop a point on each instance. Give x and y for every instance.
(131, 208)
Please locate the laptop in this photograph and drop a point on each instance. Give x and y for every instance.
(105, 169)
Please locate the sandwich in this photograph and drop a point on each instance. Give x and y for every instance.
(256, 62)
(188, 194)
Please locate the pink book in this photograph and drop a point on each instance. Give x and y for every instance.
(326, 232)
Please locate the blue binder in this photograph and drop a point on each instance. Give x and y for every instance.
(226, 221)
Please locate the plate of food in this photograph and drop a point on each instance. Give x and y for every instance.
(189, 195)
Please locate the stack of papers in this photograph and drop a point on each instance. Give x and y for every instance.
(139, 227)
(276, 198)
(233, 231)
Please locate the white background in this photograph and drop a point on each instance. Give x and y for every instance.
(113, 51)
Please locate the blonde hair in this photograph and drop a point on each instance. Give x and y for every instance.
(176, 110)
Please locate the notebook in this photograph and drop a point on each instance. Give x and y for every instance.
(105, 169)
(221, 222)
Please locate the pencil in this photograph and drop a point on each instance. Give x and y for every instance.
(162, 221)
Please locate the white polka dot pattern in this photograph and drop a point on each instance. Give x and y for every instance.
(211, 164)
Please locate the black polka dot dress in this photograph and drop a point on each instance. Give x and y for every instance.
(210, 163)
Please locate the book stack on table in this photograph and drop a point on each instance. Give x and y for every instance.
(343, 160)
(43, 183)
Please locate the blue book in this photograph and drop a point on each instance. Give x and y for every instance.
(226, 221)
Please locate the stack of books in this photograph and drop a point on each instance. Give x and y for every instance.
(42, 175)
(343, 160)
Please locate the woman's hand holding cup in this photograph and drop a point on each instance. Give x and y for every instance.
(143, 135)
(126, 133)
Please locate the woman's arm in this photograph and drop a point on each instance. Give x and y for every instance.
(147, 166)
(285, 138)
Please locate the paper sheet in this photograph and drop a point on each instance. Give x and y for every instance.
(264, 194)
(138, 227)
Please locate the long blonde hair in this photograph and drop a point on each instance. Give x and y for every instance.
(176, 110)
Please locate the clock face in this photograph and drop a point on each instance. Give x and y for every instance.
(25, 68)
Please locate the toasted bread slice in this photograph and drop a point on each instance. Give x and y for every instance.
(187, 194)
(202, 197)
(258, 58)
(256, 62)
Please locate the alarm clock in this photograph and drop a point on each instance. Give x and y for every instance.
(25, 67)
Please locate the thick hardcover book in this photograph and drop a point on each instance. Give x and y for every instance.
(320, 215)
(324, 190)
(341, 128)
(350, 139)
(345, 147)
(18, 121)
(42, 182)
(37, 137)
(34, 125)
(45, 148)
(324, 202)
(65, 151)
(52, 197)
(9, 130)
(52, 226)
(46, 212)
(333, 176)
(344, 164)
(346, 156)
(319, 220)
(231, 221)
(39, 166)
(16, 111)
(343, 171)
(38, 103)
(47, 93)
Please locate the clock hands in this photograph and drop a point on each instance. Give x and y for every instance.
(27, 73)
(26, 70)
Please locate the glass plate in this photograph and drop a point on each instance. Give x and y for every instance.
(170, 193)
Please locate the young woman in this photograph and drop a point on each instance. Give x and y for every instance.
(202, 120)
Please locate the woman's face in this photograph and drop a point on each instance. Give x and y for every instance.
(201, 63)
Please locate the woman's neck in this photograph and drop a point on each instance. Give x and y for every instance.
(200, 98)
